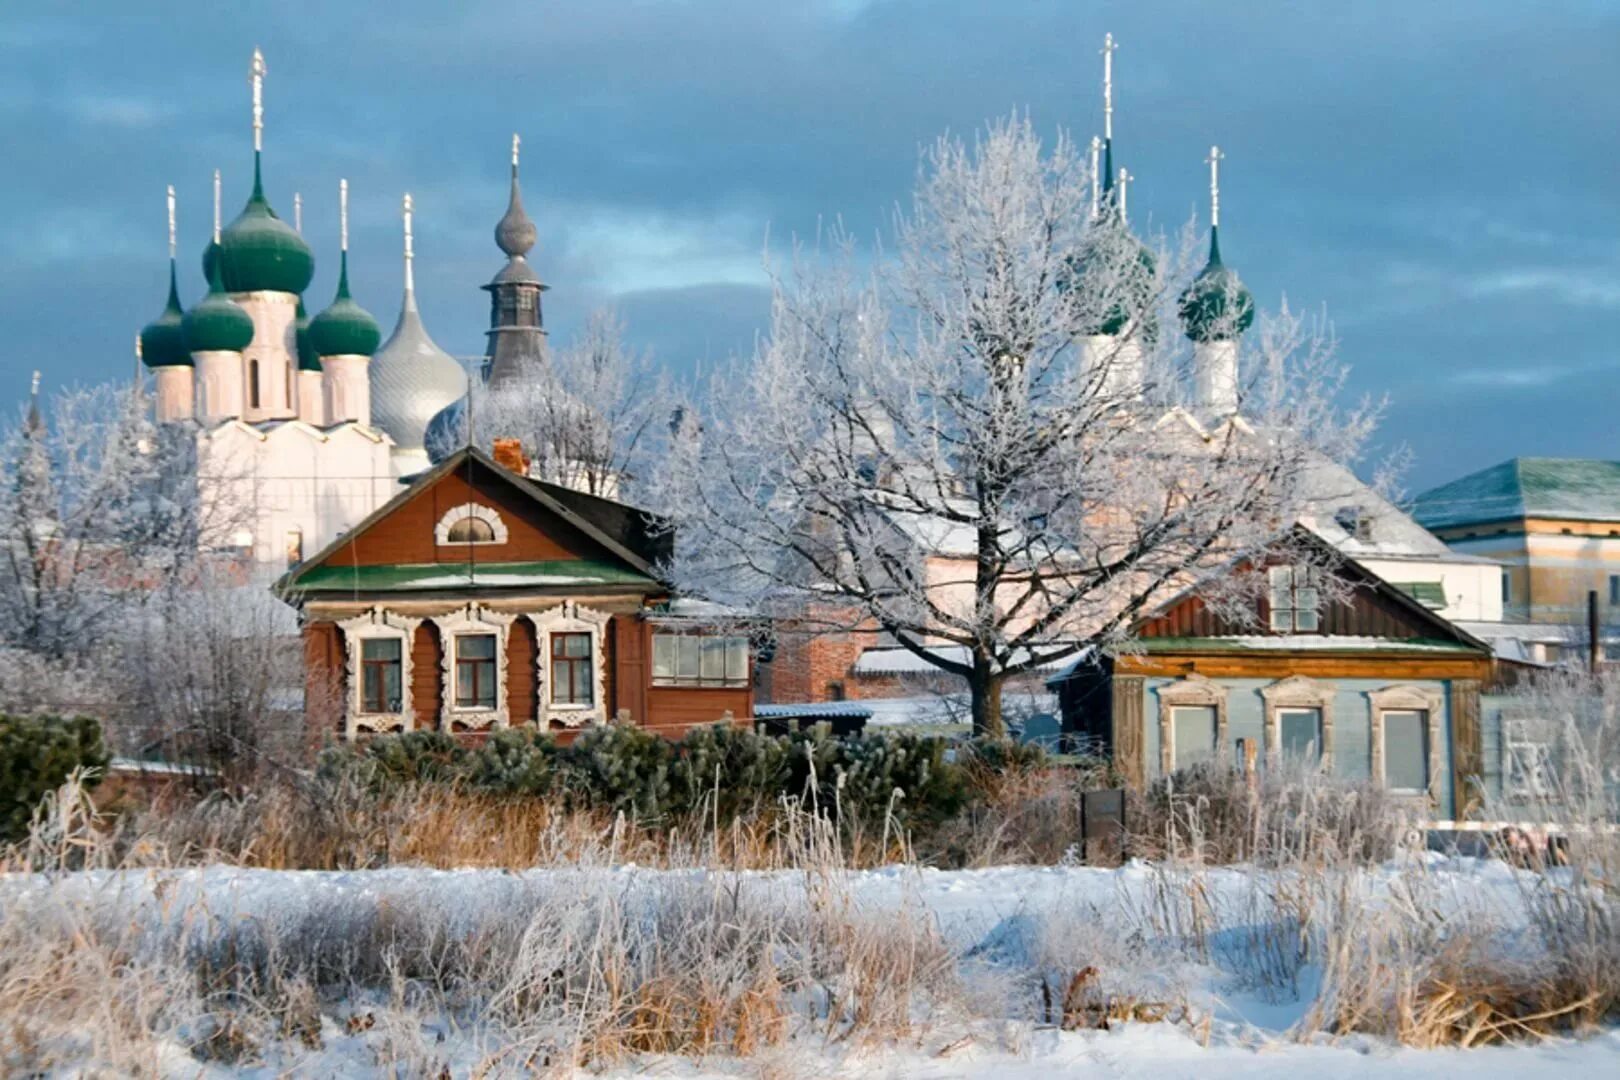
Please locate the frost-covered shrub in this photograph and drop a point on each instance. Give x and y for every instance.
(36, 755)
(731, 767)
(857, 777)
(620, 769)
(415, 757)
(514, 761)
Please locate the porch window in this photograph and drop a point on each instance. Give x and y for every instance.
(697, 660)
(475, 671)
(1300, 733)
(571, 682)
(381, 675)
(1192, 732)
(1294, 599)
(1406, 750)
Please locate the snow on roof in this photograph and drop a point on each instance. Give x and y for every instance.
(850, 709)
(1341, 500)
(898, 660)
(1570, 489)
(1302, 643)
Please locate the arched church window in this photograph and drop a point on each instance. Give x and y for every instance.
(471, 530)
(253, 383)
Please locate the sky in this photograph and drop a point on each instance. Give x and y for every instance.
(1443, 179)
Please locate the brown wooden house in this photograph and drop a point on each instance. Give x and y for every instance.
(1366, 685)
(479, 599)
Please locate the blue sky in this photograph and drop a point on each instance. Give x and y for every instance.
(1442, 177)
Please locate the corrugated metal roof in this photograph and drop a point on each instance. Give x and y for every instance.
(1569, 489)
(425, 577)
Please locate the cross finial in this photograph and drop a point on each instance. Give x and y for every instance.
(171, 222)
(216, 206)
(410, 277)
(1124, 181)
(1214, 161)
(1096, 175)
(1108, 85)
(516, 142)
(298, 213)
(343, 215)
(259, 71)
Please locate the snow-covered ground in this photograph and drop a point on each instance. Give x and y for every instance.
(1007, 928)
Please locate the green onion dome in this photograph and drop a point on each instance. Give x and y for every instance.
(308, 359)
(259, 251)
(216, 323)
(163, 342)
(1132, 287)
(344, 328)
(1216, 306)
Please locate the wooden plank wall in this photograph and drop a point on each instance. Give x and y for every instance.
(1467, 747)
(1130, 746)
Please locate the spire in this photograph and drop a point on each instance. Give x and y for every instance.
(34, 424)
(343, 239)
(1124, 179)
(515, 233)
(216, 206)
(174, 283)
(410, 255)
(256, 77)
(1214, 161)
(1108, 114)
(1096, 197)
(298, 213)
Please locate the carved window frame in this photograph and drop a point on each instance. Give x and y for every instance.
(487, 514)
(472, 619)
(570, 617)
(1298, 692)
(1408, 698)
(1189, 690)
(376, 624)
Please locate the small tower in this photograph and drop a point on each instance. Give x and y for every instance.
(516, 325)
(162, 347)
(1215, 310)
(216, 331)
(345, 336)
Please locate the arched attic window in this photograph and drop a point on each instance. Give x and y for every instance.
(470, 524)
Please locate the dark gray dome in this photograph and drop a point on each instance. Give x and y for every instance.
(515, 233)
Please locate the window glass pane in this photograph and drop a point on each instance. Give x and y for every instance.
(471, 530)
(1306, 619)
(1281, 618)
(561, 682)
(476, 646)
(576, 645)
(1193, 729)
(582, 684)
(663, 656)
(485, 674)
(687, 665)
(1300, 732)
(392, 699)
(1406, 764)
(464, 684)
(736, 659)
(380, 649)
(714, 660)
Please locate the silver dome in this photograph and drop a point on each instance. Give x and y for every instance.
(412, 379)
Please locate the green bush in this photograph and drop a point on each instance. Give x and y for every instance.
(415, 757)
(36, 755)
(723, 769)
(515, 761)
(620, 769)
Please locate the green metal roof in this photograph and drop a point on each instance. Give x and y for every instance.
(435, 577)
(1216, 306)
(215, 323)
(1569, 489)
(260, 251)
(344, 328)
(1431, 594)
(1250, 643)
(163, 341)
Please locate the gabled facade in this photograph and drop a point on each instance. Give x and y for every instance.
(479, 599)
(1368, 685)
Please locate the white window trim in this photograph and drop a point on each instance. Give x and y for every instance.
(441, 531)
(472, 619)
(1195, 690)
(569, 617)
(373, 625)
(1298, 692)
(1407, 699)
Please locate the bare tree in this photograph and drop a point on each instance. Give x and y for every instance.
(585, 416)
(982, 444)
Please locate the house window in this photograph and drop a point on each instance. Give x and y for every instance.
(475, 671)
(695, 660)
(1192, 732)
(295, 547)
(1295, 601)
(1507, 587)
(381, 675)
(1300, 733)
(1406, 750)
(471, 530)
(1614, 589)
(571, 682)
(253, 383)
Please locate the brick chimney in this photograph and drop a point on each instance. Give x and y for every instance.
(509, 455)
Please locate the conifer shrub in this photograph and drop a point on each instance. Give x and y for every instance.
(414, 757)
(724, 770)
(620, 768)
(515, 761)
(36, 755)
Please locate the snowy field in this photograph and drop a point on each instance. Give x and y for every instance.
(998, 946)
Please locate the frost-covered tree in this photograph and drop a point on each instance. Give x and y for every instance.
(584, 416)
(981, 441)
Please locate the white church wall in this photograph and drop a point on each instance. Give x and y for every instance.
(274, 351)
